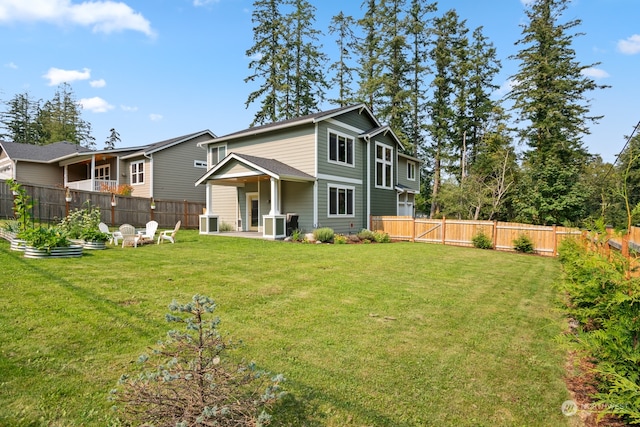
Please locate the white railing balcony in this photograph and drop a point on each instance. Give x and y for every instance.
(99, 185)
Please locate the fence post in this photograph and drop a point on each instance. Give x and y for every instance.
(413, 229)
(444, 230)
(494, 237)
(555, 240)
(186, 213)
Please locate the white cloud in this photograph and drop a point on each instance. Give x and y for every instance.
(102, 15)
(596, 73)
(11, 65)
(128, 108)
(204, 2)
(95, 104)
(155, 117)
(506, 87)
(98, 83)
(526, 2)
(630, 46)
(58, 75)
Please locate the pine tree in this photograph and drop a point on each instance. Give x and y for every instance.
(60, 119)
(112, 140)
(307, 62)
(267, 59)
(19, 122)
(550, 96)
(418, 32)
(342, 25)
(369, 58)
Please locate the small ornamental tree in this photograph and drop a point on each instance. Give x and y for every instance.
(188, 381)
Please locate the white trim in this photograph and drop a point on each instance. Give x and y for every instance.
(347, 138)
(411, 163)
(384, 164)
(343, 179)
(353, 200)
(367, 222)
(335, 122)
(137, 173)
(315, 203)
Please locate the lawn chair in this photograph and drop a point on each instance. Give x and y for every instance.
(113, 236)
(149, 233)
(129, 236)
(169, 235)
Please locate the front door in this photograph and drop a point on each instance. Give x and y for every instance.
(253, 211)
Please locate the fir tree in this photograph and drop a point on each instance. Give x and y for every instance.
(19, 122)
(342, 25)
(112, 140)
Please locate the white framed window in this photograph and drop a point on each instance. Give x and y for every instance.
(102, 172)
(341, 149)
(341, 200)
(217, 152)
(411, 171)
(199, 164)
(137, 172)
(384, 166)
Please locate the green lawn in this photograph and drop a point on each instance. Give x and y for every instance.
(401, 334)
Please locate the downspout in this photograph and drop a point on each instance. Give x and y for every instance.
(315, 183)
(368, 180)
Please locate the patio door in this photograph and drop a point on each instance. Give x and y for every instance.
(253, 211)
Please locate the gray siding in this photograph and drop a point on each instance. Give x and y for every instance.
(402, 174)
(174, 173)
(297, 197)
(225, 203)
(344, 225)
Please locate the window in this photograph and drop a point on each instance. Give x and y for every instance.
(384, 166)
(340, 149)
(137, 172)
(103, 172)
(217, 154)
(411, 171)
(341, 200)
(199, 164)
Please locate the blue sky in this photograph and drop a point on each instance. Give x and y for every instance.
(156, 69)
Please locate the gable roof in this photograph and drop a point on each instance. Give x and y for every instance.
(270, 167)
(284, 124)
(161, 145)
(42, 153)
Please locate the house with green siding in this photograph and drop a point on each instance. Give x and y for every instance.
(333, 169)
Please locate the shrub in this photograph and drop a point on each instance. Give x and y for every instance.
(324, 234)
(367, 235)
(225, 226)
(381, 237)
(83, 224)
(482, 241)
(296, 235)
(340, 239)
(22, 204)
(523, 243)
(188, 380)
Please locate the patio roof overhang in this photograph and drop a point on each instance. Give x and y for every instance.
(239, 169)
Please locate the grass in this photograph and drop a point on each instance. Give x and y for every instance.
(401, 334)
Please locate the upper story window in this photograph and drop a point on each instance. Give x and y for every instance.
(411, 171)
(199, 164)
(218, 152)
(137, 172)
(384, 166)
(341, 149)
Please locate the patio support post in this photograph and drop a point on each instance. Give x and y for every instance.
(275, 198)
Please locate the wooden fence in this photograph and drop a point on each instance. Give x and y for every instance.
(460, 232)
(49, 206)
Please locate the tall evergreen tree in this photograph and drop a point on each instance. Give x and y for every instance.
(440, 110)
(112, 140)
(19, 123)
(342, 25)
(60, 119)
(418, 32)
(550, 95)
(267, 55)
(369, 59)
(307, 61)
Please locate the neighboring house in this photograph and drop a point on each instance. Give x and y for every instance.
(331, 169)
(163, 170)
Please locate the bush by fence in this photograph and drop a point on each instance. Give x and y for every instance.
(50, 206)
